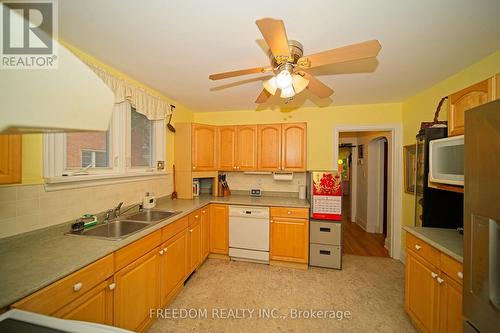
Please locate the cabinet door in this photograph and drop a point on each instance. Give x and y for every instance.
(95, 306)
(194, 245)
(289, 239)
(421, 293)
(468, 98)
(205, 232)
(173, 265)
(293, 145)
(450, 305)
(204, 147)
(227, 148)
(246, 147)
(269, 147)
(137, 290)
(497, 84)
(219, 229)
(10, 159)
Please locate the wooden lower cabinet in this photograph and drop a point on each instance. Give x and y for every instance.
(421, 298)
(95, 306)
(173, 265)
(450, 311)
(194, 246)
(219, 229)
(289, 239)
(433, 299)
(137, 291)
(205, 232)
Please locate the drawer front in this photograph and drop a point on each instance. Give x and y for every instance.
(452, 268)
(423, 249)
(137, 249)
(325, 256)
(174, 228)
(52, 298)
(195, 217)
(298, 213)
(326, 233)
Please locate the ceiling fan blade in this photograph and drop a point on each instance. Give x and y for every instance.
(275, 35)
(317, 87)
(352, 52)
(263, 97)
(226, 75)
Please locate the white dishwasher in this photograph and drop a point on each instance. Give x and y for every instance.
(249, 233)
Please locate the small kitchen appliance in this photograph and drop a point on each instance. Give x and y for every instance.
(149, 201)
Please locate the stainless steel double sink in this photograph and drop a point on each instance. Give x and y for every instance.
(122, 227)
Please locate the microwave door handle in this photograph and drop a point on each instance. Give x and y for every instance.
(494, 266)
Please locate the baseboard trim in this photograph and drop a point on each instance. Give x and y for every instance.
(218, 256)
(288, 264)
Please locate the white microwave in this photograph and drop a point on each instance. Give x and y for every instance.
(446, 160)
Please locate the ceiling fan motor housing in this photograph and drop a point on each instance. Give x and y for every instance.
(296, 52)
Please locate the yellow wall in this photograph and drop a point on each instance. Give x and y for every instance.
(32, 160)
(422, 106)
(320, 124)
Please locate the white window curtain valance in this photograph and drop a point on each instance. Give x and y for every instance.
(153, 107)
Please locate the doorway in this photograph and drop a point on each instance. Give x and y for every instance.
(363, 162)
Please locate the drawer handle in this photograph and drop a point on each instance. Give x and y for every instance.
(439, 280)
(325, 229)
(77, 286)
(460, 275)
(289, 212)
(417, 247)
(434, 275)
(112, 286)
(324, 252)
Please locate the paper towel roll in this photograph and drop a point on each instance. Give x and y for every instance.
(302, 191)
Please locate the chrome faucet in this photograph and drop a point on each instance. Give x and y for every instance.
(116, 210)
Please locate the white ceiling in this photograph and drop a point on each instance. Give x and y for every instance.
(174, 45)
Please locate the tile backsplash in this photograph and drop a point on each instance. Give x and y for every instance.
(28, 207)
(240, 181)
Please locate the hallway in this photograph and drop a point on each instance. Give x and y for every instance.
(356, 240)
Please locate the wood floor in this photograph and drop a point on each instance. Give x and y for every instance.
(356, 240)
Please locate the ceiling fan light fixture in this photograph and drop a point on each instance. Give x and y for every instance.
(270, 85)
(287, 92)
(299, 83)
(284, 79)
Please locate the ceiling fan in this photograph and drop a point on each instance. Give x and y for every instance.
(290, 65)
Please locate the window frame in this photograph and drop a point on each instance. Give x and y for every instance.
(119, 154)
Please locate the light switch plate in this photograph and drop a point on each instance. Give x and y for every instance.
(255, 192)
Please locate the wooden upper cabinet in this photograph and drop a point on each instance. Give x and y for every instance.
(269, 147)
(497, 84)
(465, 99)
(10, 159)
(293, 147)
(204, 142)
(246, 147)
(227, 148)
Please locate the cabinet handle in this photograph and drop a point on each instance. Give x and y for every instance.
(77, 286)
(460, 275)
(165, 249)
(194, 167)
(325, 229)
(417, 247)
(289, 212)
(434, 275)
(439, 280)
(190, 230)
(162, 252)
(196, 216)
(112, 286)
(203, 211)
(271, 221)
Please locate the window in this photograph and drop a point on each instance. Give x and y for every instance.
(132, 145)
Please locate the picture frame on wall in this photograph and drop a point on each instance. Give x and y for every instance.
(410, 164)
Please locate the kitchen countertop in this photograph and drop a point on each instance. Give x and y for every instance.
(33, 260)
(448, 241)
